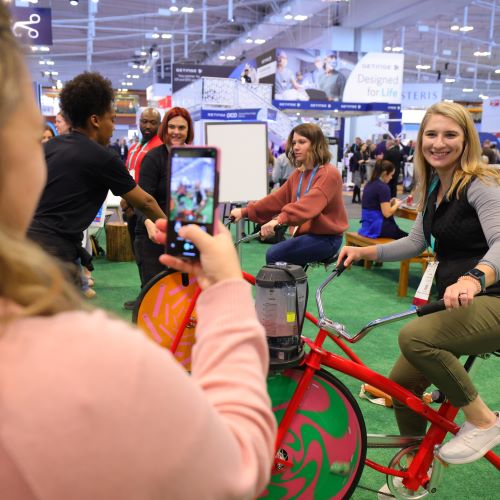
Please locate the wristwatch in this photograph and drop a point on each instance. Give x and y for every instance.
(479, 276)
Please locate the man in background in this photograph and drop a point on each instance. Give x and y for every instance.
(149, 122)
(395, 156)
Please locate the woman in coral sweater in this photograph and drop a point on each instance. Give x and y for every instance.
(310, 201)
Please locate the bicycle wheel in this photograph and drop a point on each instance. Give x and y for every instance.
(162, 306)
(326, 442)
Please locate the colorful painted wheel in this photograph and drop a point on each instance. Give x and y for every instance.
(162, 306)
(326, 443)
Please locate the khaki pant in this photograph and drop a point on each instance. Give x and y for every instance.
(431, 346)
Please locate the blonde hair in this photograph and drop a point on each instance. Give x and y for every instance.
(28, 276)
(471, 164)
(318, 154)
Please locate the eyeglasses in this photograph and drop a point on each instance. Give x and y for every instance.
(142, 121)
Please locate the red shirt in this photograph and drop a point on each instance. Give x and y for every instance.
(319, 211)
(137, 152)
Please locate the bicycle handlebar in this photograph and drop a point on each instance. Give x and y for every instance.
(430, 308)
(340, 330)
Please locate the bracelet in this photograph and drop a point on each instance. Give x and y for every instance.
(470, 278)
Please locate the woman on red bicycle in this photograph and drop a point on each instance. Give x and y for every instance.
(90, 407)
(310, 201)
(459, 220)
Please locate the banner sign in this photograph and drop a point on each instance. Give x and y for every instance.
(331, 76)
(32, 25)
(184, 74)
(490, 121)
(421, 95)
(378, 77)
(340, 106)
(258, 114)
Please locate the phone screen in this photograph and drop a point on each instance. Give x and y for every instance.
(192, 196)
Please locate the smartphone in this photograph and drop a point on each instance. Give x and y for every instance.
(192, 195)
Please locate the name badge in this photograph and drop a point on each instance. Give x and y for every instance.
(424, 288)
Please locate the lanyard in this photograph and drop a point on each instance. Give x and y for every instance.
(434, 184)
(315, 169)
(137, 153)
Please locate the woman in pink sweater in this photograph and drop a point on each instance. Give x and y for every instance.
(310, 201)
(89, 407)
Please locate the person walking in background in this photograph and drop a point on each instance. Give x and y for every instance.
(459, 203)
(63, 124)
(48, 133)
(377, 206)
(394, 155)
(282, 170)
(310, 201)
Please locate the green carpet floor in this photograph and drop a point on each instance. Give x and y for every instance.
(354, 299)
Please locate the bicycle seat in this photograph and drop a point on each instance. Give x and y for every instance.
(325, 262)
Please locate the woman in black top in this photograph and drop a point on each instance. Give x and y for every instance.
(176, 129)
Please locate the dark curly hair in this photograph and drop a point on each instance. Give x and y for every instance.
(86, 95)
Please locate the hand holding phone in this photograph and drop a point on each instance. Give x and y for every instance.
(192, 196)
(218, 260)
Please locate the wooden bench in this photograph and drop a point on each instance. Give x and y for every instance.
(357, 240)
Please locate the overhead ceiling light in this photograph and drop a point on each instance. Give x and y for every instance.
(187, 10)
(135, 66)
(155, 35)
(129, 76)
(166, 36)
(300, 17)
(448, 100)
(449, 80)
(478, 53)
(466, 28)
(397, 49)
(423, 66)
(124, 83)
(222, 58)
(467, 90)
(231, 58)
(483, 97)
(143, 53)
(455, 27)
(387, 49)
(135, 77)
(497, 71)
(288, 17)
(174, 8)
(249, 40)
(259, 41)
(73, 2)
(446, 52)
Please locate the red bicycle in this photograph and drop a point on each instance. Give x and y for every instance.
(322, 441)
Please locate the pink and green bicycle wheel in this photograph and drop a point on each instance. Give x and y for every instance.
(326, 442)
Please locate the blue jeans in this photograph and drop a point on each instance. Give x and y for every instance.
(304, 249)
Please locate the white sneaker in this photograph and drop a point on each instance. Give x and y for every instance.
(470, 443)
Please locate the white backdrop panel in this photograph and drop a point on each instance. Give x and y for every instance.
(243, 150)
